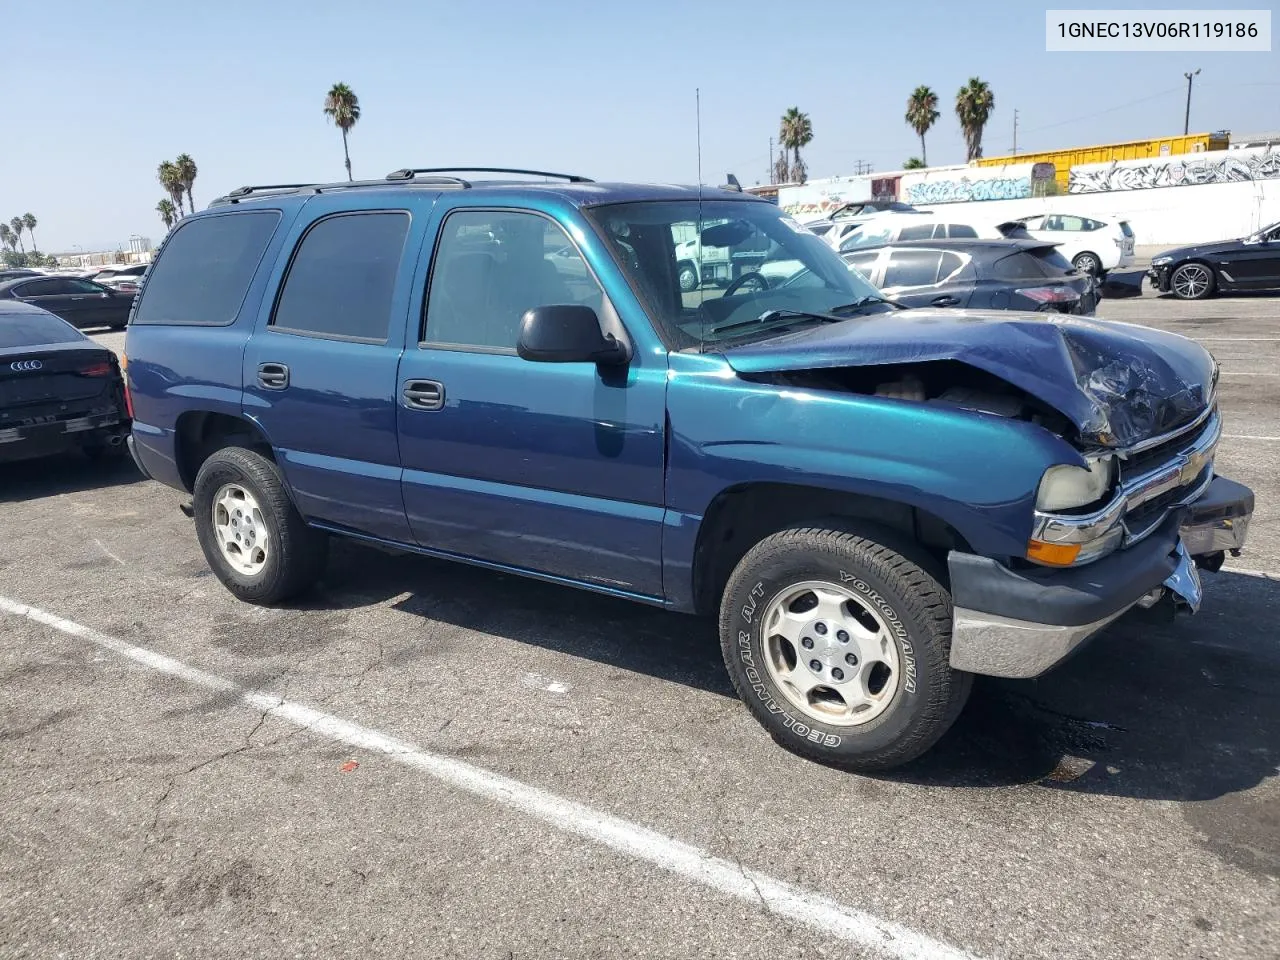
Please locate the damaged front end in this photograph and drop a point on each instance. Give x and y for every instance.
(1125, 524)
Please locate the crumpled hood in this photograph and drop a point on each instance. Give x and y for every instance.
(1117, 382)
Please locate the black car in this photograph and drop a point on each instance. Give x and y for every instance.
(58, 389)
(1193, 273)
(978, 274)
(16, 272)
(82, 303)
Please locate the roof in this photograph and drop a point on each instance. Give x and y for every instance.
(1003, 243)
(19, 307)
(578, 190)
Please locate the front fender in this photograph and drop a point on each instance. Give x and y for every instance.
(977, 472)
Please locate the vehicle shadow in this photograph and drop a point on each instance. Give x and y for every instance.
(68, 472)
(1184, 710)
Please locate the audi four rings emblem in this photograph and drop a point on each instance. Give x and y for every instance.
(23, 366)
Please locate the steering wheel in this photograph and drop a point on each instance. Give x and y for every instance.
(759, 279)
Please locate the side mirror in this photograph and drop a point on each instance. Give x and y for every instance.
(568, 333)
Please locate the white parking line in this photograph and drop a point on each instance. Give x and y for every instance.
(1241, 373)
(1260, 574)
(1246, 436)
(1236, 339)
(885, 937)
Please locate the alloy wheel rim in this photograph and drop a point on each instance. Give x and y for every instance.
(1191, 281)
(240, 529)
(830, 654)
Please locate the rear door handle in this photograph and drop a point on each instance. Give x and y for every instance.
(273, 376)
(423, 394)
(944, 301)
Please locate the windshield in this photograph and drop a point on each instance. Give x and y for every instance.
(705, 280)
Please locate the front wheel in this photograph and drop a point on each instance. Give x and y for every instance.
(840, 647)
(1192, 281)
(252, 536)
(688, 278)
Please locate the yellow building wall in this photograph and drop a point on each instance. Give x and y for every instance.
(1064, 160)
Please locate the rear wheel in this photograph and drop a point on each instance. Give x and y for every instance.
(688, 278)
(252, 536)
(1192, 281)
(840, 645)
(1088, 263)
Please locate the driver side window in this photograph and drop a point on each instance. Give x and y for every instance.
(490, 267)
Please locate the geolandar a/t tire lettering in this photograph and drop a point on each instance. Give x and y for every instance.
(839, 646)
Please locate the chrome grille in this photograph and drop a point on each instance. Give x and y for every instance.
(1167, 474)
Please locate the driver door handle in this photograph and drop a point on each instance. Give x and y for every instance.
(944, 301)
(423, 394)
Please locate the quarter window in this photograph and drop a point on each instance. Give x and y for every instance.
(205, 268)
(491, 266)
(343, 275)
(961, 231)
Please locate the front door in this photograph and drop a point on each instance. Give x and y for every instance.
(1255, 265)
(78, 302)
(320, 368)
(548, 467)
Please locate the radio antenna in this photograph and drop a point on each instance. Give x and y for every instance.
(697, 101)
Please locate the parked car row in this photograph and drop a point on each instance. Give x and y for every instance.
(1196, 272)
(82, 303)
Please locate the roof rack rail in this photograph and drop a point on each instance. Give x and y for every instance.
(245, 191)
(408, 173)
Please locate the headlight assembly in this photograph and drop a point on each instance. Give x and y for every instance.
(1066, 487)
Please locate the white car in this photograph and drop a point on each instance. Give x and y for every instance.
(924, 225)
(1093, 246)
(849, 218)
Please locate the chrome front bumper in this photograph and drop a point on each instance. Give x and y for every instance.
(998, 645)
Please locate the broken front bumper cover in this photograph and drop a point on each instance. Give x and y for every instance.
(1009, 623)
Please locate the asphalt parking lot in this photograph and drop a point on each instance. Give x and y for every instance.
(494, 767)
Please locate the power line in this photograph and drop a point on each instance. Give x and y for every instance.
(1122, 106)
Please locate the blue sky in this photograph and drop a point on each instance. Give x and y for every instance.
(96, 97)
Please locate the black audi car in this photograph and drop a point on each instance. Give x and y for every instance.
(1193, 273)
(58, 389)
(1021, 274)
(82, 303)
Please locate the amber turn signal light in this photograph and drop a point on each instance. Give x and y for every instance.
(1053, 554)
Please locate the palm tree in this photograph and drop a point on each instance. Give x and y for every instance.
(342, 106)
(795, 132)
(974, 104)
(6, 237)
(167, 213)
(187, 174)
(171, 180)
(913, 163)
(922, 113)
(29, 221)
(18, 226)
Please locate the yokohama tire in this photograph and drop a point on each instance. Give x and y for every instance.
(297, 553)
(914, 612)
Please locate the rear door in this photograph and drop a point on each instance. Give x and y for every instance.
(320, 368)
(911, 277)
(1254, 265)
(56, 294)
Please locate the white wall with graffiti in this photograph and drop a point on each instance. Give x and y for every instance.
(1193, 198)
(964, 184)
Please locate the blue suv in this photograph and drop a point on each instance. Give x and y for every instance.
(877, 503)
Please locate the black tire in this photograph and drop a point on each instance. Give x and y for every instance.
(912, 604)
(1182, 277)
(688, 275)
(1087, 262)
(299, 554)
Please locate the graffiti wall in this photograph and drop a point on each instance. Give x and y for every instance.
(966, 184)
(817, 198)
(1188, 169)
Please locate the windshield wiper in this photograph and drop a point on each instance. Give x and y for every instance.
(865, 302)
(770, 315)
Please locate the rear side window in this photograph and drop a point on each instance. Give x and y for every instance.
(205, 268)
(912, 268)
(1126, 229)
(951, 263)
(961, 231)
(342, 277)
(43, 288)
(921, 231)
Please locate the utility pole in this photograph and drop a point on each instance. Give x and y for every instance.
(1186, 120)
(772, 177)
(1015, 131)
